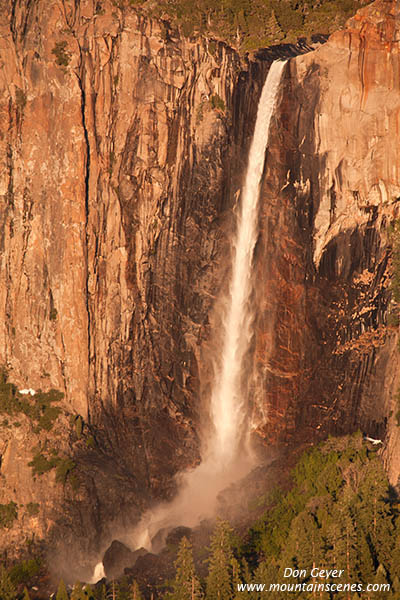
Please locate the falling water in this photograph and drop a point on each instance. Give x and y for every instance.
(228, 401)
(222, 463)
(98, 573)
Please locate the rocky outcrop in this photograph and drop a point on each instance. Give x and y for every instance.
(326, 358)
(118, 557)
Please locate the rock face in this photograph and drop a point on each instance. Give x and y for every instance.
(325, 357)
(122, 150)
(119, 557)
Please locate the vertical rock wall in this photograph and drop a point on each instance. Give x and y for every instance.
(327, 360)
(121, 151)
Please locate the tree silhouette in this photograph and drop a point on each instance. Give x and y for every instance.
(62, 593)
(186, 585)
(220, 573)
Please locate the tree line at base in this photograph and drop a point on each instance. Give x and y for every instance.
(340, 513)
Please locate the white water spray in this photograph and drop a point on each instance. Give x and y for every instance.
(225, 460)
(98, 573)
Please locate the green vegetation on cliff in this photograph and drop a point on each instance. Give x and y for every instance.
(63, 58)
(340, 513)
(38, 408)
(252, 24)
(42, 463)
(25, 571)
(8, 514)
(15, 582)
(7, 589)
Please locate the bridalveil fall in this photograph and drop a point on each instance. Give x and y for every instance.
(227, 456)
(229, 402)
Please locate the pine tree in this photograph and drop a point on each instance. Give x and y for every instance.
(365, 568)
(7, 589)
(304, 544)
(382, 578)
(78, 592)
(186, 585)
(236, 579)
(274, 31)
(103, 593)
(396, 585)
(344, 538)
(219, 580)
(134, 591)
(113, 591)
(26, 594)
(267, 572)
(373, 513)
(62, 593)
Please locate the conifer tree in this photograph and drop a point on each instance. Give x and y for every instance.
(26, 594)
(365, 563)
(62, 593)
(267, 572)
(103, 593)
(113, 591)
(396, 585)
(236, 579)
(382, 578)
(134, 591)
(274, 31)
(324, 514)
(186, 585)
(344, 537)
(304, 545)
(78, 592)
(7, 589)
(219, 580)
(373, 513)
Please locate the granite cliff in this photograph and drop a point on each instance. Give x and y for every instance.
(122, 149)
(119, 142)
(327, 357)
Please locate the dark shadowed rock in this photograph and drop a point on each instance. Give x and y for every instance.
(117, 558)
(152, 570)
(176, 534)
(169, 537)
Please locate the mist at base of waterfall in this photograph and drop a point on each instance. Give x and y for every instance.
(196, 499)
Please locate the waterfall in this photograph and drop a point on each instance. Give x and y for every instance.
(98, 573)
(224, 461)
(228, 403)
